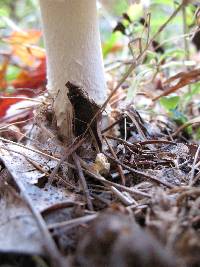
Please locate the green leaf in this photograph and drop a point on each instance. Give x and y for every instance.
(170, 102)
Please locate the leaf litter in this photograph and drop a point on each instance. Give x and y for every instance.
(97, 212)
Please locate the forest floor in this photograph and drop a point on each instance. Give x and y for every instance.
(127, 195)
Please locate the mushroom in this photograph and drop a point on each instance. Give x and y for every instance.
(73, 47)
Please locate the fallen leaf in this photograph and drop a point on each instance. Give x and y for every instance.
(23, 46)
(183, 79)
(32, 79)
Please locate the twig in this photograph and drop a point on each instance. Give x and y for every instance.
(112, 187)
(94, 176)
(119, 167)
(66, 154)
(126, 201)
(185, 125)
(83, 181)
(122, 187)
(73, 222)
(139, 129)
(134, 146)
(137, 125)
(152, 178)
(94, 140)
(143, 143)
(28, 148)
(38, 166)
(191, 174)
(14, 123)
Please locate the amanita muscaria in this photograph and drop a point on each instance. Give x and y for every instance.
(73, 47)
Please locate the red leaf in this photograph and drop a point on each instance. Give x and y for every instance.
(32, 79)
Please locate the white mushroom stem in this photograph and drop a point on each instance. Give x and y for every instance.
(72, 40)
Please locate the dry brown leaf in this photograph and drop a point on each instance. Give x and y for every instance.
(183, 79)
